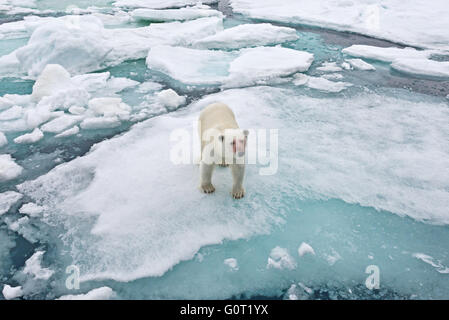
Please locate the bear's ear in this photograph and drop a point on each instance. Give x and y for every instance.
(246, 132)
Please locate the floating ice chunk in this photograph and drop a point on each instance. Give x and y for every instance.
(8, 198)
(248, 35)
(103, 293)
(3, 140)
(190, 66)
(422, 67)
(159, 4)
(53, 78)
(264, 63)
(109, 107)
(305, 248)
(68, 132)
(329, 67)
(15, 112)
(332, 76)
(412, 22)
(359, 64)
(320, 83)
(149, 86)
(76, 110)
(8, 168)
(170, 99)
(231, 263)
(32, 137)
(280, 259)
(61, 123)
(34, 268)
(12, 292)
(31, 209)
(174, 14)
(100, 123)
(246, 67)
(298, 292)
(431, 261)
(385, 54)
(333, 257)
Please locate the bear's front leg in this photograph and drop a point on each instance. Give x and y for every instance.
(206, 171)
(238, 171)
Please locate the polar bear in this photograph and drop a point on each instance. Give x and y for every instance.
(222, 143)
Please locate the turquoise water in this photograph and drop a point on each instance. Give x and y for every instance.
(334, 209)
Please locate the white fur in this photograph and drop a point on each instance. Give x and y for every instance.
(217, 129)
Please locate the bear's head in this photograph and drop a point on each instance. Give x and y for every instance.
(233, 144)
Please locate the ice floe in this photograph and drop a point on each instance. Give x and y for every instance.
(280, 259)
(103, 293)
(247, 35)
(231, 263)
(388, 54)
(12, 292)
(33, 267)
(174, 14)
(245, 67)
(8, 168)
(31, 137)
(329, 67)
(305, 248)
(359, 64)
(3, 139)
(69, 132)
(159, 4)
(422, 67)
(8, 199)
(320, 83)
(170, 99)
(413, 22)
(31, 209)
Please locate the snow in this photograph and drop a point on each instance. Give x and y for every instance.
(103, 293)
(12, 292)
(159, 4)
(247, 35)
(8, 199)
(231, 263)
(359, 64)
(32, 137)
(52, 79)
(305, 248)
(174, 14)
(422, 68)
(280, 259)
(12, 113)
(209, 67)
(320, 83)
(170, 99)
(3, 140)
(385, 54)
(69, 132)
(412, 22)
(8, 168)
(34, 268)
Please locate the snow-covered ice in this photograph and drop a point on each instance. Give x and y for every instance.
(69, 132)
(170, 99)
(103, 293)
(33, 267)
(12, 292)
(422, 67)
(159, 4)
(280, 259)
(245, 67)
(31, 137)
(413, 22)
(320, 83)
(388, 54)
(231, 263)
(247, 35)
(329, 67)
(9, 169)
(174, 14)
(3, 139)
(8, 199)
(359, 64)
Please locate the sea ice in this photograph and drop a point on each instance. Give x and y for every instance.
(34, 268)
(305, 248)
(159, 4)
(174, 14)
(170, 99)
(109, 107)
(61, 123)
(3, 140)
(247, 35)
(31, 209)
(69, 132)
(413, 22)
(12, 292)
(8, 199)
(32, 137)
(8, 168)
(320, 83)
(422, 67)
(103, 293)
(385, 54)
(245, 67)
(359, 64)
(329, 67)
(15, 112)
(280, 259)
(100, 123)
(231, 263)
